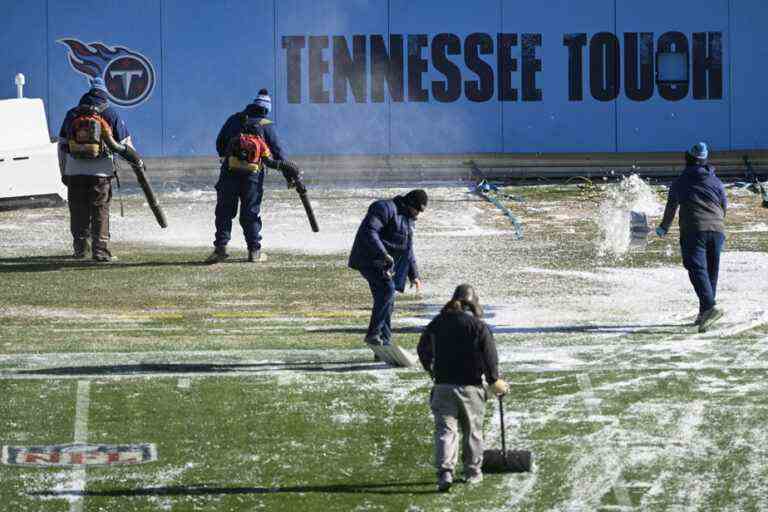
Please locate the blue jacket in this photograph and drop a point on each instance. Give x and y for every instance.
(386, 229)
(110, 115)
(701, 198)
(232, 128)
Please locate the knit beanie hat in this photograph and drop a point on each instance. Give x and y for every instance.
(416, 199)
(263, 100)
(699, 151)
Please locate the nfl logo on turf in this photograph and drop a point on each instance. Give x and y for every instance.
(78, 454)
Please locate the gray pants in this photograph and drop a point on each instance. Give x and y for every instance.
(458, 407)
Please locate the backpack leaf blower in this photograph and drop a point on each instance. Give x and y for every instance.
(137, 164)
(292, 174)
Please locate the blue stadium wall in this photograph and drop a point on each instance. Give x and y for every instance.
(353, 77)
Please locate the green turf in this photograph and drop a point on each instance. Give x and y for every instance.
(284, 411)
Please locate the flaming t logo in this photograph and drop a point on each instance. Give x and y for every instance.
(129, 75)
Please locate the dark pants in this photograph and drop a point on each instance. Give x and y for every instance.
(89, 198)
(383, 292)
(701, 258)
(248, 189)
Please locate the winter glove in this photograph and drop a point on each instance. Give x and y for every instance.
(500, 387)
(385, 263)
(661, 232)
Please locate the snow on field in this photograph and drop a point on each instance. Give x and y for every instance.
(601, 317)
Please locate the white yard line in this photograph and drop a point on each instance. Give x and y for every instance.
(76, 504)
(591, 402)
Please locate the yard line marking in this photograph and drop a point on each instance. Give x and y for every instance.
(81, 411)
(183, 384)
(82, 405)
(619, 486)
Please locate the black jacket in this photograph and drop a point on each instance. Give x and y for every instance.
(458, 348)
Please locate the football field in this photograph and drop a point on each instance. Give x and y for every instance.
(244, 387)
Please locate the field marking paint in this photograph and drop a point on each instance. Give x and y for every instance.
(76, 504)
(183, 384)
(619, 486)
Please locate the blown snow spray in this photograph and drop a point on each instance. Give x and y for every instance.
(623, 215)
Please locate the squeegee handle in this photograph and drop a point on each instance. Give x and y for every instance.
(501, 420)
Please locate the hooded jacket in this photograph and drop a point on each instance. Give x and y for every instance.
(700, 195)
(458, 348)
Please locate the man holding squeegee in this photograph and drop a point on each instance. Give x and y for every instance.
(457, 349)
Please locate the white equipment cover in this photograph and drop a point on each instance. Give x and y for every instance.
(29, 163)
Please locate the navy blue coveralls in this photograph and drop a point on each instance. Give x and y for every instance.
(243, 186)
(386, 229)
(700, 195)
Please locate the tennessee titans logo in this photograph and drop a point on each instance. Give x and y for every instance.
(129, 75)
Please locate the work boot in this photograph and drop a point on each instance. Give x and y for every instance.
(255, 255)
(374, 339)
(444, 481)
(709, 317)
(102, 255)
(81, 248)
(218, 255)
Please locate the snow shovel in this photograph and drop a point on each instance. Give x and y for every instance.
(506, 461)
(638, 229)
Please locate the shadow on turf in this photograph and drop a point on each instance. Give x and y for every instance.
(626, 329)
(206, 368)
(202, 490)
(51, 263)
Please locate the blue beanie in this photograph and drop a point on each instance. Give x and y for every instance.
(98, 83)
(699, 151)
(263, 100)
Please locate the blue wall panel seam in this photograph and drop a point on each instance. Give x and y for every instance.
(616, 101)
(732, 63)
(275, 80)
(46, 35)
(162, 86)
(389, 97)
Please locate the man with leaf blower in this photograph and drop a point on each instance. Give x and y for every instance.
(246, 143)
(87, 168)
(457, 349)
